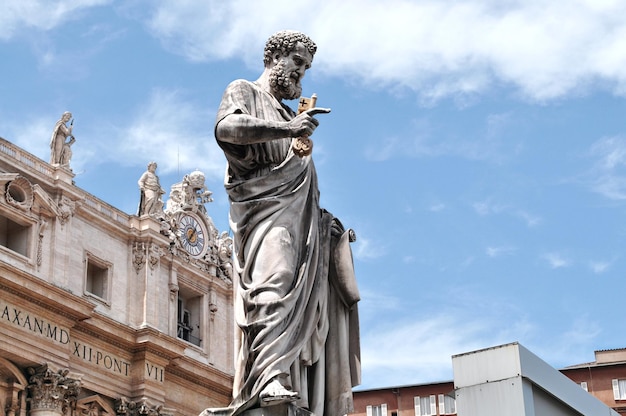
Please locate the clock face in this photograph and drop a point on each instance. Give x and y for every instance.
(193, 235)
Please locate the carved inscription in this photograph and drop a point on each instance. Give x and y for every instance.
(17, 317)
(14, 316)
(154, 372)
(101, 358)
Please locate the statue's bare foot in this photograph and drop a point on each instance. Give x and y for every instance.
(274, 393)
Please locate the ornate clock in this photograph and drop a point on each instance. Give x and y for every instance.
(193, 234)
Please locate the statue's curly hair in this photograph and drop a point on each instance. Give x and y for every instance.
(285, 41)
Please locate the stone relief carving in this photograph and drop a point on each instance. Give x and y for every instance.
(139, 255)
(52, 391)
(143, 254)
(67, 207)
(225, 254)
(20, 193)
(189, 195)
(154, 255)
(94, 406)
(126, 407)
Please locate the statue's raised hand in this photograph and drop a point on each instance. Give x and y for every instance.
(304, 123)
(302, 145)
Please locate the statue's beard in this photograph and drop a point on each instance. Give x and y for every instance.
(283, 84)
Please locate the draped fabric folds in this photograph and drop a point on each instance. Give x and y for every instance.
(293, 324)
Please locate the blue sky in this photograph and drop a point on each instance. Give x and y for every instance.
(477, 147)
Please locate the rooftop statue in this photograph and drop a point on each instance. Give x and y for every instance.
(62, 141)
(150, 201)
(296, 296)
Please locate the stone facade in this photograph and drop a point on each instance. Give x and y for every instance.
(103, 313)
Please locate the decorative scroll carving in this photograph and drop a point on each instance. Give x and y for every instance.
(67, 207)
(19, 193)
(154, 255)
(42, 226)
(52, 391)
(142, 254)
(139, 255)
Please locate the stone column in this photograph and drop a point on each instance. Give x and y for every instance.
(51, 393)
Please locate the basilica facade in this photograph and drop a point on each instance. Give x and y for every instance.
(104, 313)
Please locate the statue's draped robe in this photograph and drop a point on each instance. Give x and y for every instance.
(57, 141)
(291, 322)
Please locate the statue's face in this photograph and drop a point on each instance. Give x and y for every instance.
(287, 72)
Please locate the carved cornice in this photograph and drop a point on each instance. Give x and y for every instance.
(202, 375)
(43, 294)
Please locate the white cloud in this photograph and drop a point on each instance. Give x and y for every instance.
(545, 50)
(608, 175)
(420, 349)
(364, 249)
(172, 131)
(487, 207)
(437, 207)
(167, 128)
(571, 345)
(499, 251)
(422, 140)
(16, 15)
(32, 134)
(530, 219)
(599, 267)
(556, 260)
(438, 49)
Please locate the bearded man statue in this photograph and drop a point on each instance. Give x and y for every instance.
(296, 299)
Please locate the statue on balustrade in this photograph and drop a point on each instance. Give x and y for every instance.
(62, 140)
(150, 201)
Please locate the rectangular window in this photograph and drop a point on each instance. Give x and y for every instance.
(619, 389)
(380, 410)
(447, 405)
(189, 313)
(97, 278)
(425, 405)
(15, 236)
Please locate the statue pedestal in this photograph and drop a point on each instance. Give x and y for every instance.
(287, 409)
(278, 410)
